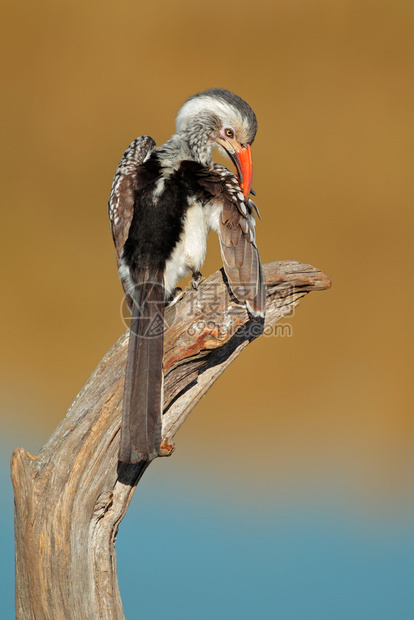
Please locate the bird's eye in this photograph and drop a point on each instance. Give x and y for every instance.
(229, 133)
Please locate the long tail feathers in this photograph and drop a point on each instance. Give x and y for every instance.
(143, 394)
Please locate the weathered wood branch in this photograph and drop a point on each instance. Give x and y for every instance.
(71, 497)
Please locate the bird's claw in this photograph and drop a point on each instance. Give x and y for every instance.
(196, 279)
(176, 296)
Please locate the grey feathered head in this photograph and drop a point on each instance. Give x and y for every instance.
(218, 107)
(217, 117)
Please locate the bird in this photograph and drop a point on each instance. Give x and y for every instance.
(163, 203)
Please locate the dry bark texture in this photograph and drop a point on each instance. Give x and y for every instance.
(71, 497)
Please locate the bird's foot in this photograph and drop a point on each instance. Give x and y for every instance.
(176, 296)
(197, 276)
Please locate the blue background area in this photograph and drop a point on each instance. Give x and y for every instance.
(6, 541)
(185, 551)
(188, 556)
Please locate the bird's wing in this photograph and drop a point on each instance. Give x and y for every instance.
(121, 199)
(141, 417)
(237, 235)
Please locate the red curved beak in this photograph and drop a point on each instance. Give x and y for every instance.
(244, 167)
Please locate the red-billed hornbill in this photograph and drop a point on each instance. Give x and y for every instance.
(163, 203)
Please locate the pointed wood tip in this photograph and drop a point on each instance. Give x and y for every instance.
(20, 464)
(296, 274)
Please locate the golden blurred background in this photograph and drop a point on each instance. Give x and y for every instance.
(332, 86)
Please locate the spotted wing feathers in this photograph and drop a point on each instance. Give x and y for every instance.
(241, 259)
(121, 199)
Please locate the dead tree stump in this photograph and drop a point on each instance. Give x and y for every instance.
(72, 496)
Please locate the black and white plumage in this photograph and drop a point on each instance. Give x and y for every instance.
(163, 204)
